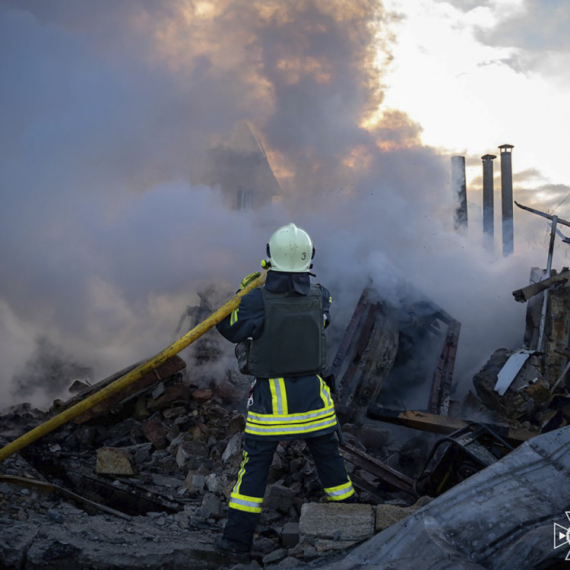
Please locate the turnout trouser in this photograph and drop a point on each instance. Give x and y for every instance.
(247, 495)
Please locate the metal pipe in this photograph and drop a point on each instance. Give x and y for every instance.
(488, 200)
(460, 190)
(544, 214)
(132, 376)
(546, 276)
(507, 198)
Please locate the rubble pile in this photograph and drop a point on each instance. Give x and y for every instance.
(142, 479)
(529, 387)
(159, 470)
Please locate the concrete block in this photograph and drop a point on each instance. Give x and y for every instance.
(339, 522)
(275, 556)
(290, 534)
(113, 461)
(279, 498)
(233, 448)
(164, 481)
(387, 515)
(195, 482)
(211, 507)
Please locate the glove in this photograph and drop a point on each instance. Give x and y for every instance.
(247, 280)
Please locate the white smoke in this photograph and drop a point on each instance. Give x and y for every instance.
(107, 228)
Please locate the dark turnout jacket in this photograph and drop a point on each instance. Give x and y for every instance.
(282, 408)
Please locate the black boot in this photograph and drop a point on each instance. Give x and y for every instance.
(233, 551)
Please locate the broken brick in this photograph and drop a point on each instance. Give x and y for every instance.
(156, 433)
(202, 395)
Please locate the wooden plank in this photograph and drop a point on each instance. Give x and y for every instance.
(377, 468)
(349, 383)
(443, 377)
(349, 333)
(526, 293)
(442, 424)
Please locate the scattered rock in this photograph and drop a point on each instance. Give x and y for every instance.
(275, 556)
(290, 534)
(202, 395)
(348, 522)
(113, 461)
(195, 482)
(211, 507)
(387, 515)
(233, 448)
(155, 432)
(279, 498)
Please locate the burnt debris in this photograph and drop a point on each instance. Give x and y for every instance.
(144, 476)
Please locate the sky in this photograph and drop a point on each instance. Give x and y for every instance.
(109, 228)
(479, 74)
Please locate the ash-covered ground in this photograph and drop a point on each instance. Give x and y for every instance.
(152, 477)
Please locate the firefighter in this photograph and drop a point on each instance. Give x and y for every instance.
(280, 329)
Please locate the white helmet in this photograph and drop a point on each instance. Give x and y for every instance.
(290, 249)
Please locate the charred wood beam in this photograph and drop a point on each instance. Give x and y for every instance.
(349, 386)
(50, 488)
(443, 377)
(526, 293)
(370, 488)
(377, 468)
(349, 333)
(442, 424)
(121, 495)
(126, 498)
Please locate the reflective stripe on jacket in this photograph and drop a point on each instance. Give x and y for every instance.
(283, 408)
(291, 408)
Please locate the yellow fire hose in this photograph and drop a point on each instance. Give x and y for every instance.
(132, 376)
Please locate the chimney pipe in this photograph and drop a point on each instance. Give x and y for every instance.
(460, 190)
(507, 198)
(488, 200)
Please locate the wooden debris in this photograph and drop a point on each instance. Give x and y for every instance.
(165, 370)
(385, 346)
(442, 424)
(50, 488)
(526, 293)
(377, 468)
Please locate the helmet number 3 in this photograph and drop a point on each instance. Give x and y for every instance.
(304, 256)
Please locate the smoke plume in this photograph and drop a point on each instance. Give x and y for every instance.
(115, 209)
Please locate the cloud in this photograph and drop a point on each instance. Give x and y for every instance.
(537, 32)
(538, 26)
